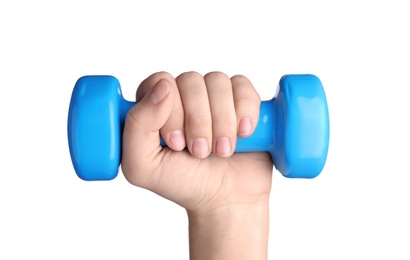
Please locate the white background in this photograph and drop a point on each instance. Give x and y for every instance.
(358, 208)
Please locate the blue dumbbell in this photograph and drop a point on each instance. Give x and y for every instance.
(293, 127)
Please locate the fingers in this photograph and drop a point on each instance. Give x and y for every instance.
(198, 120)
(173, 130)
(208, 112)
(221, 100)
(141, 129)
(247, 105)
(216, 110)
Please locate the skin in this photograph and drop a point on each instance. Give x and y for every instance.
(226, 194)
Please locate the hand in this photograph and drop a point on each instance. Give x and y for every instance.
(204, 115)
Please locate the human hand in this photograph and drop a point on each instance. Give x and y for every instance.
(204, 114)
(225, 194)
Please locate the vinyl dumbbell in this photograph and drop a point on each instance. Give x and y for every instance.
(293, 127)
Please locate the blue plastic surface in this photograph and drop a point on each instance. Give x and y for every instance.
(293, 127)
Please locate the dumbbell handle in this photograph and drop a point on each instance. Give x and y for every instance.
(260, 141)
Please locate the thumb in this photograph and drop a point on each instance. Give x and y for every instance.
(141, 138)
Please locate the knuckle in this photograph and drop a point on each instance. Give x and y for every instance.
(225, 116)
(189, 76)
(157, 76)
(199, 121)
(226, 119)
(241, 79)
(149, 82)
(216, 76)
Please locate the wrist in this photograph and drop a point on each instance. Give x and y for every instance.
(235, 231)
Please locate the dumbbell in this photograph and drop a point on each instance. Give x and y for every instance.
(293, 127)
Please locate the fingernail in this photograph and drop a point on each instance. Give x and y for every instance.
(177, 140)
(223, 147)
(158, 93)
(245, 126)
(200, 148)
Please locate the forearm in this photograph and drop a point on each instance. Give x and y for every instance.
(230, 232)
